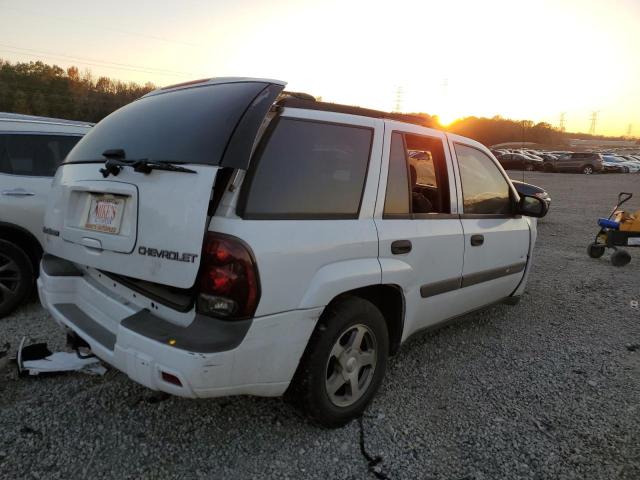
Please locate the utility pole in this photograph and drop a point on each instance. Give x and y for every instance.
(399, 95)
(594, 120)
(562, 115)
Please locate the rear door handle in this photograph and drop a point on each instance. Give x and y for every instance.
(399, 247)
(477, 240)
(17, 192)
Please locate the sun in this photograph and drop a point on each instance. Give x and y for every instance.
(446, 118)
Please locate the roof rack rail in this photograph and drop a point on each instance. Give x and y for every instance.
(306, 101)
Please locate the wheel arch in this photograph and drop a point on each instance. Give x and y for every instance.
(24, 240)
(389, 299)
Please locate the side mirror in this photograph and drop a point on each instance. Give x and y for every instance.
(532, 206)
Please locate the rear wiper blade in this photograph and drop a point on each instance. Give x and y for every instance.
(112, 166)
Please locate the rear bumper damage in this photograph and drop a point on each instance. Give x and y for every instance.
(202, 357)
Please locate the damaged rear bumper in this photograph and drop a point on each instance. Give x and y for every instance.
(202, 357)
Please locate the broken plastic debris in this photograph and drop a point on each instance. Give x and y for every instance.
(37, 359)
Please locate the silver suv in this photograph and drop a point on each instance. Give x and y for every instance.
(31, 148)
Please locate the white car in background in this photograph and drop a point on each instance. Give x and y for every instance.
(31, 148)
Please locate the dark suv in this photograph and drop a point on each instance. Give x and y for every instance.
(581, 162)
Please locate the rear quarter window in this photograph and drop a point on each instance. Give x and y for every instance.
(34, 155)
(308, 170)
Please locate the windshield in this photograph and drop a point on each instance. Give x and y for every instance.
(190, 125)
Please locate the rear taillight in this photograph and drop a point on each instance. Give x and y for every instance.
(228, 283)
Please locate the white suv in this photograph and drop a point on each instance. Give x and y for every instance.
(31, 148)
(222, 237)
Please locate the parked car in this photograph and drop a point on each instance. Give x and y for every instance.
(31, 148)
(630, 162)
(202, 269)
(528, 189)
(613, 164)
(581, 162)
(519, 161)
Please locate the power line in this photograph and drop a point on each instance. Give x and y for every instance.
(101, 26)
(97, 62)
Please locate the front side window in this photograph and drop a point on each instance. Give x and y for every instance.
(484, 189)
(309, 169)
(34, 155)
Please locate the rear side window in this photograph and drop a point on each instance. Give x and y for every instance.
(417, 183)
(485, 191)
(307, 169)
(396, 200)
(34, 155)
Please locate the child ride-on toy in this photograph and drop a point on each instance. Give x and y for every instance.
(619, 229)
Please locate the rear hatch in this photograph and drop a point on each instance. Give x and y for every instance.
(132, 197)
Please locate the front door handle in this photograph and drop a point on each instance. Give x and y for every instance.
(17, 192)
(477, 240)
(399, 247)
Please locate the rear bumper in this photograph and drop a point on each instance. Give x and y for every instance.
(209, 357)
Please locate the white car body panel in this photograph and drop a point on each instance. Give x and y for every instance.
(302, 264)
(23, 199)
(155, 204)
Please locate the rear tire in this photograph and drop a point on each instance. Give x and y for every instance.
(529, 168)
(548, 167)
(587, 169)
(595, 250)
(620, 258)
(16, 277)
(344, 363)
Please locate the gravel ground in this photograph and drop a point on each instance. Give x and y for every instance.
(549, 388)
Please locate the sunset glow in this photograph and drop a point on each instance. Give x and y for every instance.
(523, 60)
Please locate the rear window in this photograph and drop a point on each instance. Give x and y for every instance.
(307, 169)
(34, 155)
(191, 125)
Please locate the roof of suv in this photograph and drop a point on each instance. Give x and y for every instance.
(305, 101)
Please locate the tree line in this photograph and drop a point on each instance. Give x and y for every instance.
(36, 88)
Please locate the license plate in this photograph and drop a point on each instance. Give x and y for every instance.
(105, 214)
(634, 241)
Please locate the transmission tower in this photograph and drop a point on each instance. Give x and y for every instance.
(594, 120)
(629, 130)
(562, 115)
(399, 95)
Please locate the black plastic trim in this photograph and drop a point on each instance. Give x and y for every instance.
(492, 274)
(203, 335)
(87, 324)
(436, 288)
(59, 267)
(237, 153)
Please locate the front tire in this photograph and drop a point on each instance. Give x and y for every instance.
(587, 170)
(344, 363)
(16, 277)
(595, 250)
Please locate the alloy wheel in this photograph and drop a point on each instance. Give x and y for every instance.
(351, 365)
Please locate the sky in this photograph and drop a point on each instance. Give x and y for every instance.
(521, 59)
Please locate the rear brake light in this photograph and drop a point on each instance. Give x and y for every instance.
(228, 283)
